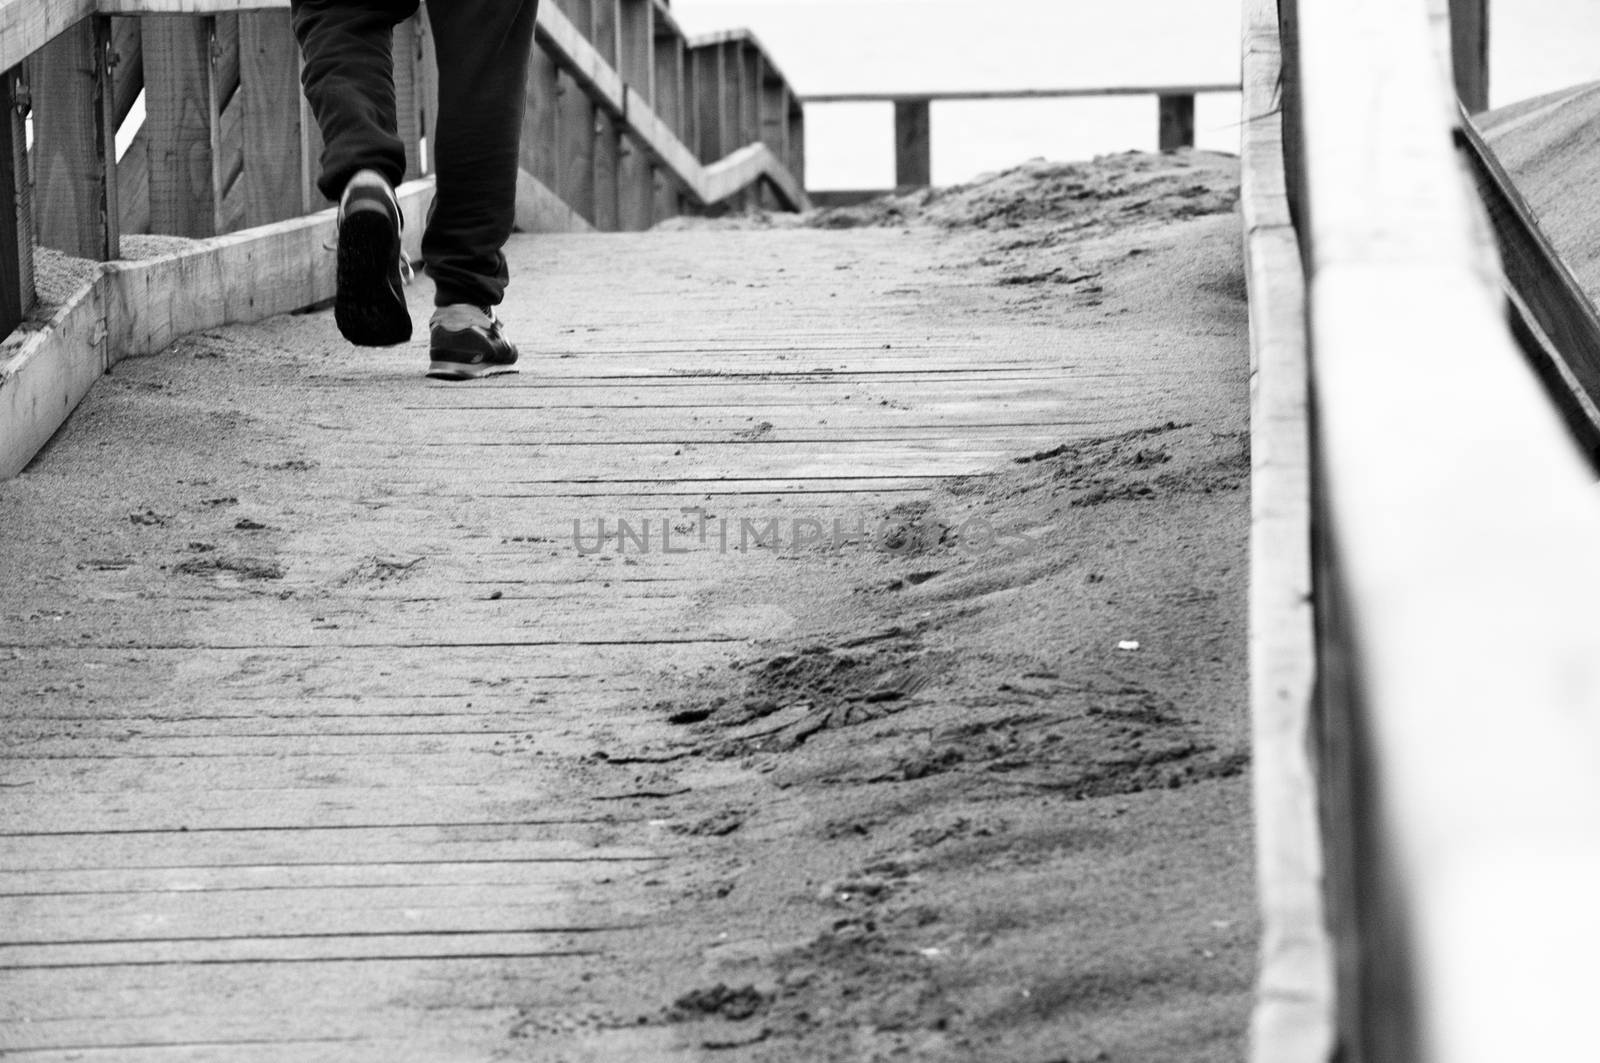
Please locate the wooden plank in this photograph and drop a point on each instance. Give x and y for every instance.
(1440, 609)
(181, 125)
(1469, 40)
(913, 144)
(1175, 121)
(269, 79)
(539, 152)
(668, 80)
(636, 31)
(577, 126)
(637, 65)
(705, 98)
(127, 65)
(48, 376)
(74, 144)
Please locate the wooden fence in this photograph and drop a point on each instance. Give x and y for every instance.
(1425, 666)
(628, 122)
(913, 119)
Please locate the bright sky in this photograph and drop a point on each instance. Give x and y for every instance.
(876, 45)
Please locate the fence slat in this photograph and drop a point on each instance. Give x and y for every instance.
(181, 123)
(269, 79)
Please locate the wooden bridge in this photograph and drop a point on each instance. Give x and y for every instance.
(235, 823)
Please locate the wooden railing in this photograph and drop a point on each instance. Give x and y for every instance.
(628, 122)
(913, 117)
(1425, 661)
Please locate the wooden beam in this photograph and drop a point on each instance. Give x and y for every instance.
(28, 25)
(181, 120)
(74, 143)
(913, 144)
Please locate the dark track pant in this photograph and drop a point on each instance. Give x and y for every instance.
(483, 48)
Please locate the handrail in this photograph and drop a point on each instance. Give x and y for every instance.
(1455, 584)
(913, 126)
(1020, 94)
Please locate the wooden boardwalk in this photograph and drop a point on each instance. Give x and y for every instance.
(298, 647)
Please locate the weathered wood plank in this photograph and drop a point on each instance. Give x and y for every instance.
(181, 125)
(541, 136)
(269, 86)
(48, 376)
(26, 26)
(74, 144)
(577, 126)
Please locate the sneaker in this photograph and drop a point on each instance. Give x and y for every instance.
(466, 342)
(369, 304)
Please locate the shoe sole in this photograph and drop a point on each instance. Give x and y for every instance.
(369, 307)
(464, 371)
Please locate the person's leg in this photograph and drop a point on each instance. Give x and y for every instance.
(483, 48)
(348, 76)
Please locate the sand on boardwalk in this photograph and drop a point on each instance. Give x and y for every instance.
(1001, 811)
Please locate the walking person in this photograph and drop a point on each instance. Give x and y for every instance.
(483, 48)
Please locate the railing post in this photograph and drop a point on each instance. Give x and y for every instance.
(16, 237)
(1176, 122)
(74, 146)
(913, 143)
(1469, 47)
(269, 86)
(181, 119)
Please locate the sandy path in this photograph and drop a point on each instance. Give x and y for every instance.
(327, 736)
